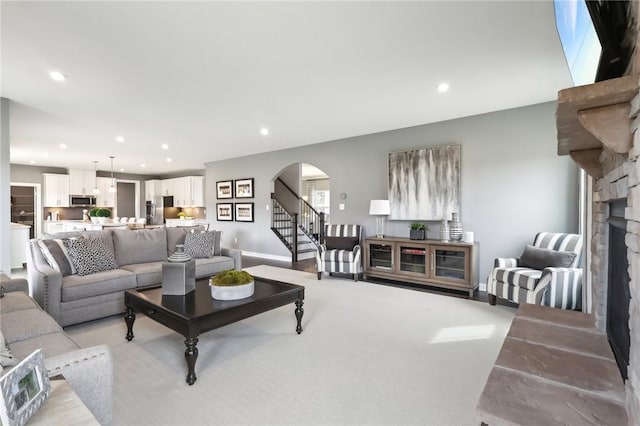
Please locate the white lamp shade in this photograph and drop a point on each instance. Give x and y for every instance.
(380, 207)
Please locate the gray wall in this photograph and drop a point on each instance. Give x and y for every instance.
(513, 183)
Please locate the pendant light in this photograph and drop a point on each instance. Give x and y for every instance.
(95, 187)
(112, 188)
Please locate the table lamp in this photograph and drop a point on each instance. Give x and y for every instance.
(380, 208)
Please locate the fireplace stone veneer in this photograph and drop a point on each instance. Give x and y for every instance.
(593, 137)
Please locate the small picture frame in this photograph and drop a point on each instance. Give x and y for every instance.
(244, 212)
(244, 188)
(224, 189)
(23, 390)
(224, 211)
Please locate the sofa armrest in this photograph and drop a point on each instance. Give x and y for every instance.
(89, 372)
(560, 288)
(13, 284)
(505, 262)
(235, 254)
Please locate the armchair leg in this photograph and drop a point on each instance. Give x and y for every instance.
(355, 277)
(492, 299)
(319, 275)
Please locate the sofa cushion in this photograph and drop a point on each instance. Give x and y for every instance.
(76, 287)
(175, 236)
(539, 258)
(146, 273)
(212, 266)
(140, 246)
(52, 344)
(27, 323)
(199, 245)
(57, 256)
(90, 256)
(104, 234)
(16, 301)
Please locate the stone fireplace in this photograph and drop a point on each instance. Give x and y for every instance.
(598, 127)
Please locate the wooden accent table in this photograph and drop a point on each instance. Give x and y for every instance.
(63, 407)
(196, 312)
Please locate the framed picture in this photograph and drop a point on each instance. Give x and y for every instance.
(244, 188)
(224, 189)
(244, 212)
(23, 390)
(224, 211)
(424, 184)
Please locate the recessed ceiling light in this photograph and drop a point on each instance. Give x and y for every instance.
(63, 146)
(143, 165)
(32, 161)
(119, 139)
(443, 87)
(57, 76)
(122, 170)
(264, 131)
(164, 146)
(169, 160)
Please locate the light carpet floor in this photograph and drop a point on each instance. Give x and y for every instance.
(369, 355)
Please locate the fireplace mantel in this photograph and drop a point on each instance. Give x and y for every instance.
(595, 116)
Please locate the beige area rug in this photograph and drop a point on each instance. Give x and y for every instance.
(369, 354)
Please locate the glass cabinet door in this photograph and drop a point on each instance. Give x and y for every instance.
(449, 263)
(413, 259)
(381, 256)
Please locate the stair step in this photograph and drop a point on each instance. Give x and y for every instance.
(309, 250)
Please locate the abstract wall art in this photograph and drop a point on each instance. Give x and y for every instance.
(424, 184)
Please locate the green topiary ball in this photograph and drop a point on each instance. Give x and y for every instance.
(231, 278)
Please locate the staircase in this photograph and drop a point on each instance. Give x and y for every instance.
(300, 233)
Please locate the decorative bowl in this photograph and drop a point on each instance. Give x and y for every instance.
(233, 292)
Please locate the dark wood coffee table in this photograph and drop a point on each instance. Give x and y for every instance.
(196, 312)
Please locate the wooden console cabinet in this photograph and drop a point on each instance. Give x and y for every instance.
(430, 262)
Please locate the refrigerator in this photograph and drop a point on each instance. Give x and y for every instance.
(156, 209)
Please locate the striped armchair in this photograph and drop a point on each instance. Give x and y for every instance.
(558, 287)
(341, 251)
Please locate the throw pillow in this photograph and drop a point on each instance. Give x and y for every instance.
(90, 255)
(341, 243)
(216, 242)
(538, 258)
(199, 245)
(57, 256)
(6, 358)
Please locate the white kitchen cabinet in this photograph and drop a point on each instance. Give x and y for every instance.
(56, 190)
(105, 198)
(19, 238)
(52, 226)
(81, 182)
(167, 188)
(152, 189)
(196, 191)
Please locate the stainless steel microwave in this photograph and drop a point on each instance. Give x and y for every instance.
(82, 201)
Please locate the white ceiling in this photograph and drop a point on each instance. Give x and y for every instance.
(205, 77)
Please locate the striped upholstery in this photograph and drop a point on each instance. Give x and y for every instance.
(340, 261)
(555, 287)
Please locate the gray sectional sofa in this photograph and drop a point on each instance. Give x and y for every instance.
(72, 298)
(26, 327)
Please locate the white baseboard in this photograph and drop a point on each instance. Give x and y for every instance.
(482, 286)
(266, 256)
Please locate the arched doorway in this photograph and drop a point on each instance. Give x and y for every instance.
(301, 200)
